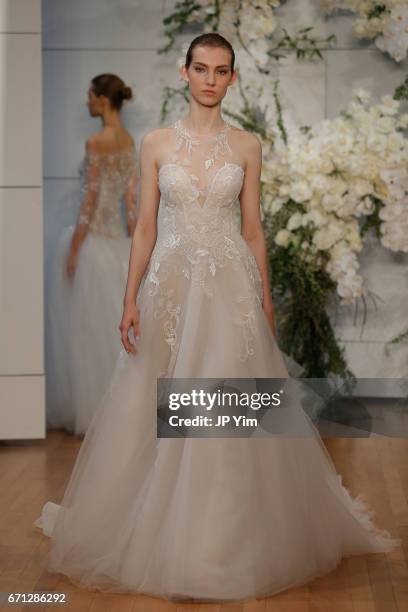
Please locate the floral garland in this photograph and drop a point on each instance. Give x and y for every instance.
(384, 21)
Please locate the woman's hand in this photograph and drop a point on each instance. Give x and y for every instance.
(130, 318)
(71, 265)
(269, 311)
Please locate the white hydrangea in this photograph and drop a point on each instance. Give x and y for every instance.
(300, 191)
(335, 174)
(295, 221)
(257, 23)
(394, 215)
(283, 237)
(388, 25)
(394, 37)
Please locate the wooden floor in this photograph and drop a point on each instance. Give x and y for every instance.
(36, 471)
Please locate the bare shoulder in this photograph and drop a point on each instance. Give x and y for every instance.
(152, 143)
(248, 143)
(95, 144)
(106, 141)
(155, 137)
(249, 139)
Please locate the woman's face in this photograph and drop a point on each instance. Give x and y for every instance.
(209, 74)
(94, 103)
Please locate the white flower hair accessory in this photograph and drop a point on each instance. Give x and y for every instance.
(181, 60)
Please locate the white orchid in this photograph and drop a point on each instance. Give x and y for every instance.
(335, 173)
(386, 22)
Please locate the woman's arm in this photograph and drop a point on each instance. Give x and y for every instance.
(252, 229)
(144, 237)
(88, 204)
(131, 203)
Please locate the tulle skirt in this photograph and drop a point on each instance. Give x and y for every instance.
(82, 328)
(213, 519)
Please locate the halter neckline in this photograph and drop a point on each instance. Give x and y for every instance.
(218, 142)
(180, 126)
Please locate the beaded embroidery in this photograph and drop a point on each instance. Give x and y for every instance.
(221, 145)
(196, 241)
(104, 179)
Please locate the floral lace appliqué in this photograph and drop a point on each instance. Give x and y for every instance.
(221, 145)
(199, 246)
(104, 179)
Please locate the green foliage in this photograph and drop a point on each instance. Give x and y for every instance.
(401, 92)
(373, 220)
(278, 106)
(401, 337)
(169, 94)
(305, 46)
(176, 22)
(302, 292)
(377, 11)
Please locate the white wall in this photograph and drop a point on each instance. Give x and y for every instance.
(84, 37)
(21, 236)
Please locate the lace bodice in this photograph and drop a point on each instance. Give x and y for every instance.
(200, 179)
(203, 159)
(105, 177)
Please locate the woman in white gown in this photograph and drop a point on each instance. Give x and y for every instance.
(90, 268)
(203, 518)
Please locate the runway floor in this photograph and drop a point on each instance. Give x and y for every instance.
(32, 472)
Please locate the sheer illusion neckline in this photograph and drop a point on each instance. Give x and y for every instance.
(182, 129)
(218, 142)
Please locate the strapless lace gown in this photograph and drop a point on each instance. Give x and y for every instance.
(203, 518)
(82, 317)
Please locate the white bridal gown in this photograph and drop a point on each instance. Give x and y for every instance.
(83, 340)
(202, 518)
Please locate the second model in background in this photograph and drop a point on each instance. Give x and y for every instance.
(90, 267)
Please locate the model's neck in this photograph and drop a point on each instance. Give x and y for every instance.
(111, 119)
(202, 120)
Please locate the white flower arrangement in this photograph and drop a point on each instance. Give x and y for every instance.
(250, 25)
(245, 23)
(337, 173)
(385, 21)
